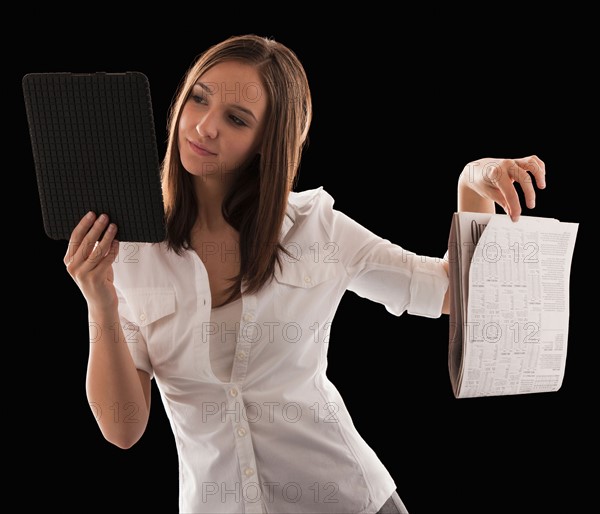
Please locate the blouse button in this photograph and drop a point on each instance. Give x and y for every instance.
(307, 279)
(241, 354)
(142, 317)
(249, 472)
(248, 317)
(233, 392)
(241, 431)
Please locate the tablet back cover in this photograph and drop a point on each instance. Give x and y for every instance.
(94, 148)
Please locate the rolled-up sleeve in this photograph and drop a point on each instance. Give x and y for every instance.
(428, 285)
(135, 341)
(402, 282)
(384, 272)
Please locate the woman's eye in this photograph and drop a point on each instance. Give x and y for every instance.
(201, 100)
(237, 121)
(198, 99)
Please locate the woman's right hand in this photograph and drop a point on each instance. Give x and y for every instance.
(89, 260)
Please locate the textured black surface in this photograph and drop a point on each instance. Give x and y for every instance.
(94, 148)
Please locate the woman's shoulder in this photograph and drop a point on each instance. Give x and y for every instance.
(304, 196)
(137, 260)
(309, 210)
(309, 201)
(131, 251)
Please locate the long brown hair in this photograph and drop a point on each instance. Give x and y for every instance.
(256, 203)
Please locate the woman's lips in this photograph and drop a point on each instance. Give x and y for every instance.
(200, 150)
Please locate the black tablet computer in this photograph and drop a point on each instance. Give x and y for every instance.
(94, 148)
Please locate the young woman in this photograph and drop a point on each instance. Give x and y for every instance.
(232, 313)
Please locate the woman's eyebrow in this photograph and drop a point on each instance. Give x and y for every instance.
(210, 91)
(205, 87)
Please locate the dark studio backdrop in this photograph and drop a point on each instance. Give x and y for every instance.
(394, 123)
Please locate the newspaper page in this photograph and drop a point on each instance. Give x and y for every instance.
(509, 330)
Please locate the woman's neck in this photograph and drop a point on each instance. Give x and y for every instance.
(210, 194)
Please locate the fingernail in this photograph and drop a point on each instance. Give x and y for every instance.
(90, 215)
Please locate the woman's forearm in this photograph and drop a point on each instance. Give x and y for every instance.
(113, 385)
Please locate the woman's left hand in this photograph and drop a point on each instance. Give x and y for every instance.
(493, 179)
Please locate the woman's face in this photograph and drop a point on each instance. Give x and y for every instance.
(222, 120)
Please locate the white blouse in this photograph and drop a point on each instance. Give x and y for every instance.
(276, 436)
(222, 339)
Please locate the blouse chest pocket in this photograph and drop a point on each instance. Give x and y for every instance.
(150, 310)
(149, 304)
(303, 284)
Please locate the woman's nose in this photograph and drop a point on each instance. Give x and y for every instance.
(207, 125)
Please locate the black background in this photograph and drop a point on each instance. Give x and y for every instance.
(396, 117)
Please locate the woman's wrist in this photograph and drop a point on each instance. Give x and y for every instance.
(469, 200)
